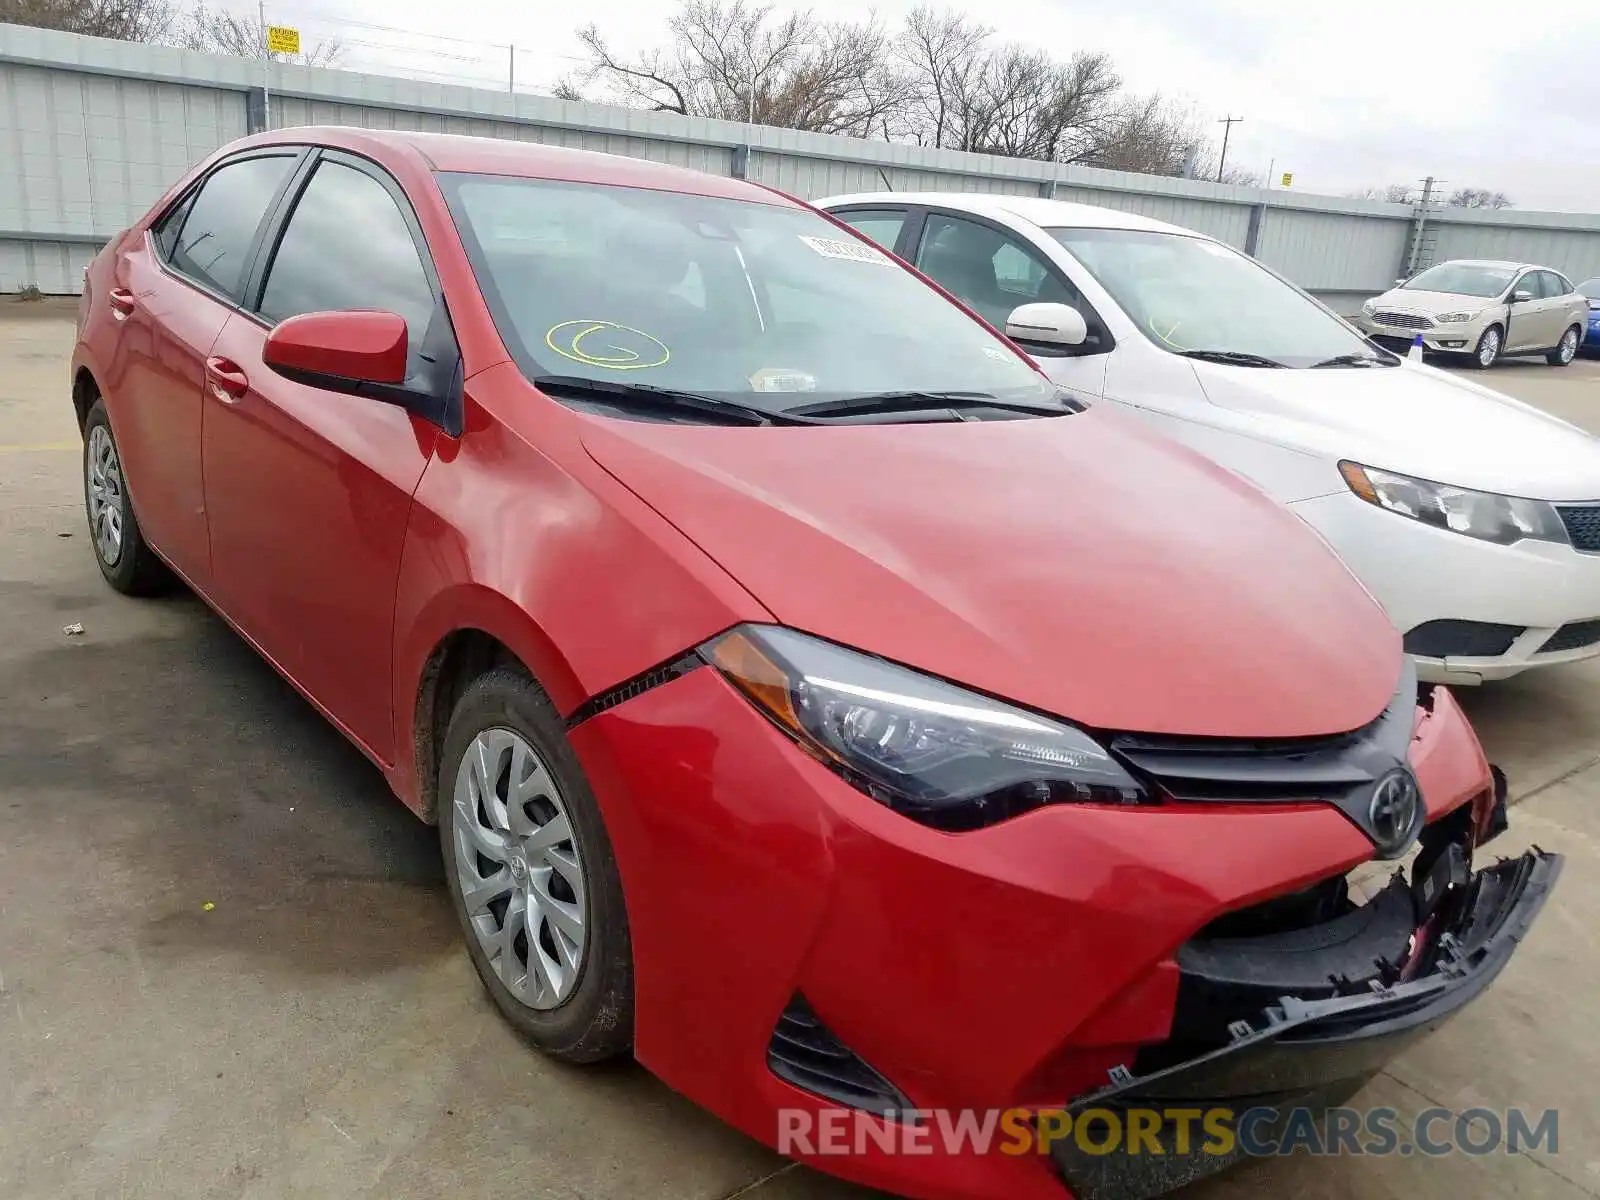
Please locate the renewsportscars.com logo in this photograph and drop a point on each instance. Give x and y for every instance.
(1218, 1131)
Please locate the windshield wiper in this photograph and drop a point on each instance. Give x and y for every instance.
(914, 401)
(1234, 358)
(1355, 360)
(645, 397)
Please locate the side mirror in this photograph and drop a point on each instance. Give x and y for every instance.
(1521, 295)
(1401, 282)
(339, 350)
(1047, 327)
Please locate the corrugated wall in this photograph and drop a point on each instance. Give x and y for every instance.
(1575, 251)
(91, 131)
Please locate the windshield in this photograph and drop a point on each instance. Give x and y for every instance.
(1193, 296)
(1590, 288)
(1461, 279)
(769, 305)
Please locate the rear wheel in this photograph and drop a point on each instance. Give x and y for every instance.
(1566, 349)
(127, 562)
(531, 872)
(1487, 349)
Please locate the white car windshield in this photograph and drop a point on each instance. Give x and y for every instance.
(766, 304)
(1202, 299)
(1461, 279)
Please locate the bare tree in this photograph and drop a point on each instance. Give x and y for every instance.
(1471, 197)
(1151, 135)
(125, 20)
(219, 31)
(966, 94)
(1393, 193)
(943, 55)
(737, 60)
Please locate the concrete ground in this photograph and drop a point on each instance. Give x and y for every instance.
(227, 967)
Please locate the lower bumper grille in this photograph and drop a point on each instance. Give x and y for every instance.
(1466, 639)
(1572, 636)
(808, 1054)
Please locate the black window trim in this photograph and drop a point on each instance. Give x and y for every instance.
(282, 212)
(1097, 326)
(285, 150)
(446, 408)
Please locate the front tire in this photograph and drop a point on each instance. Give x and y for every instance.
(1566, 349)
(1487, 351)
(124, 558)
(531, 872)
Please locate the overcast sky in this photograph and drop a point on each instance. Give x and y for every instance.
(1344, 95)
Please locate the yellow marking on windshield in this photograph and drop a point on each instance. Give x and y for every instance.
(581, 342)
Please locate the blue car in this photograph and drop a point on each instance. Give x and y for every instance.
(1591, 336)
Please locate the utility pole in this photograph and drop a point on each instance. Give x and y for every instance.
(266, 70)
(511, 70)
(1227, 124)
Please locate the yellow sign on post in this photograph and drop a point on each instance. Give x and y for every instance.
(283, 40)
(1288, 179)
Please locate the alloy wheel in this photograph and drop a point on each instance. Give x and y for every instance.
(103, 477)
(1489, 347)
(1569, 345)
(520, 868)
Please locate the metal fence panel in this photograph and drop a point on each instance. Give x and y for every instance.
(92, 131)
(89, 153)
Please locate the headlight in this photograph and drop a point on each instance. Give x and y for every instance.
(1500, 519)
(937, 753)
(1452, 318)
(1369, 307)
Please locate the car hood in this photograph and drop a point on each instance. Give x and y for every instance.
(1417, 420)
(1411, 300)
(1078, 565)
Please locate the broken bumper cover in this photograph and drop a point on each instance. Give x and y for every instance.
(1304, 1054)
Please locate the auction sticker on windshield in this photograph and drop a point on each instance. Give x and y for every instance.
(850, 251)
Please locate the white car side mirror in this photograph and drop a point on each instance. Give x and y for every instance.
(1521, 296)
(1047, 325)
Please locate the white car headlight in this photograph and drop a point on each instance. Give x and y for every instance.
(1369, 307)
(1452, 318)
(935, 752)
(1499, 519)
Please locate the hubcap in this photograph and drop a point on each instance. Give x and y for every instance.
(1569, 345)
(519, 867)
(1490, 348)
(103, 480)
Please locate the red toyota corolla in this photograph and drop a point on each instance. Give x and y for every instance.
(812, 701)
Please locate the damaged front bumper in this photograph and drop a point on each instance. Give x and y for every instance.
(1347, 995)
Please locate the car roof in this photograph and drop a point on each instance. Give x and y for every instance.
(526, 160)
(1033, 209)
(1491, 262)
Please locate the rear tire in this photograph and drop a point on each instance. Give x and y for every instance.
(124, 558)
(1567, 349)
(531, 872)
(1487, 352)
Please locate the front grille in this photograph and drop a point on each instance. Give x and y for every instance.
(1572, 636)
(1393, 342)
(808, 1054)
(1471, 639)
(1340, 769)
(1583, 524)
(1403, 320)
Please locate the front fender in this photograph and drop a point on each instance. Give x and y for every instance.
(516, 532)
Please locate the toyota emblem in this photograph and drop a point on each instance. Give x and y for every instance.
(1394, 812)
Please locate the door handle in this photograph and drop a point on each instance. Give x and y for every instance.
(121, 300)
(227, 381)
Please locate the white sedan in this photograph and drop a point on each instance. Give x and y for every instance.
(1473, 518)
